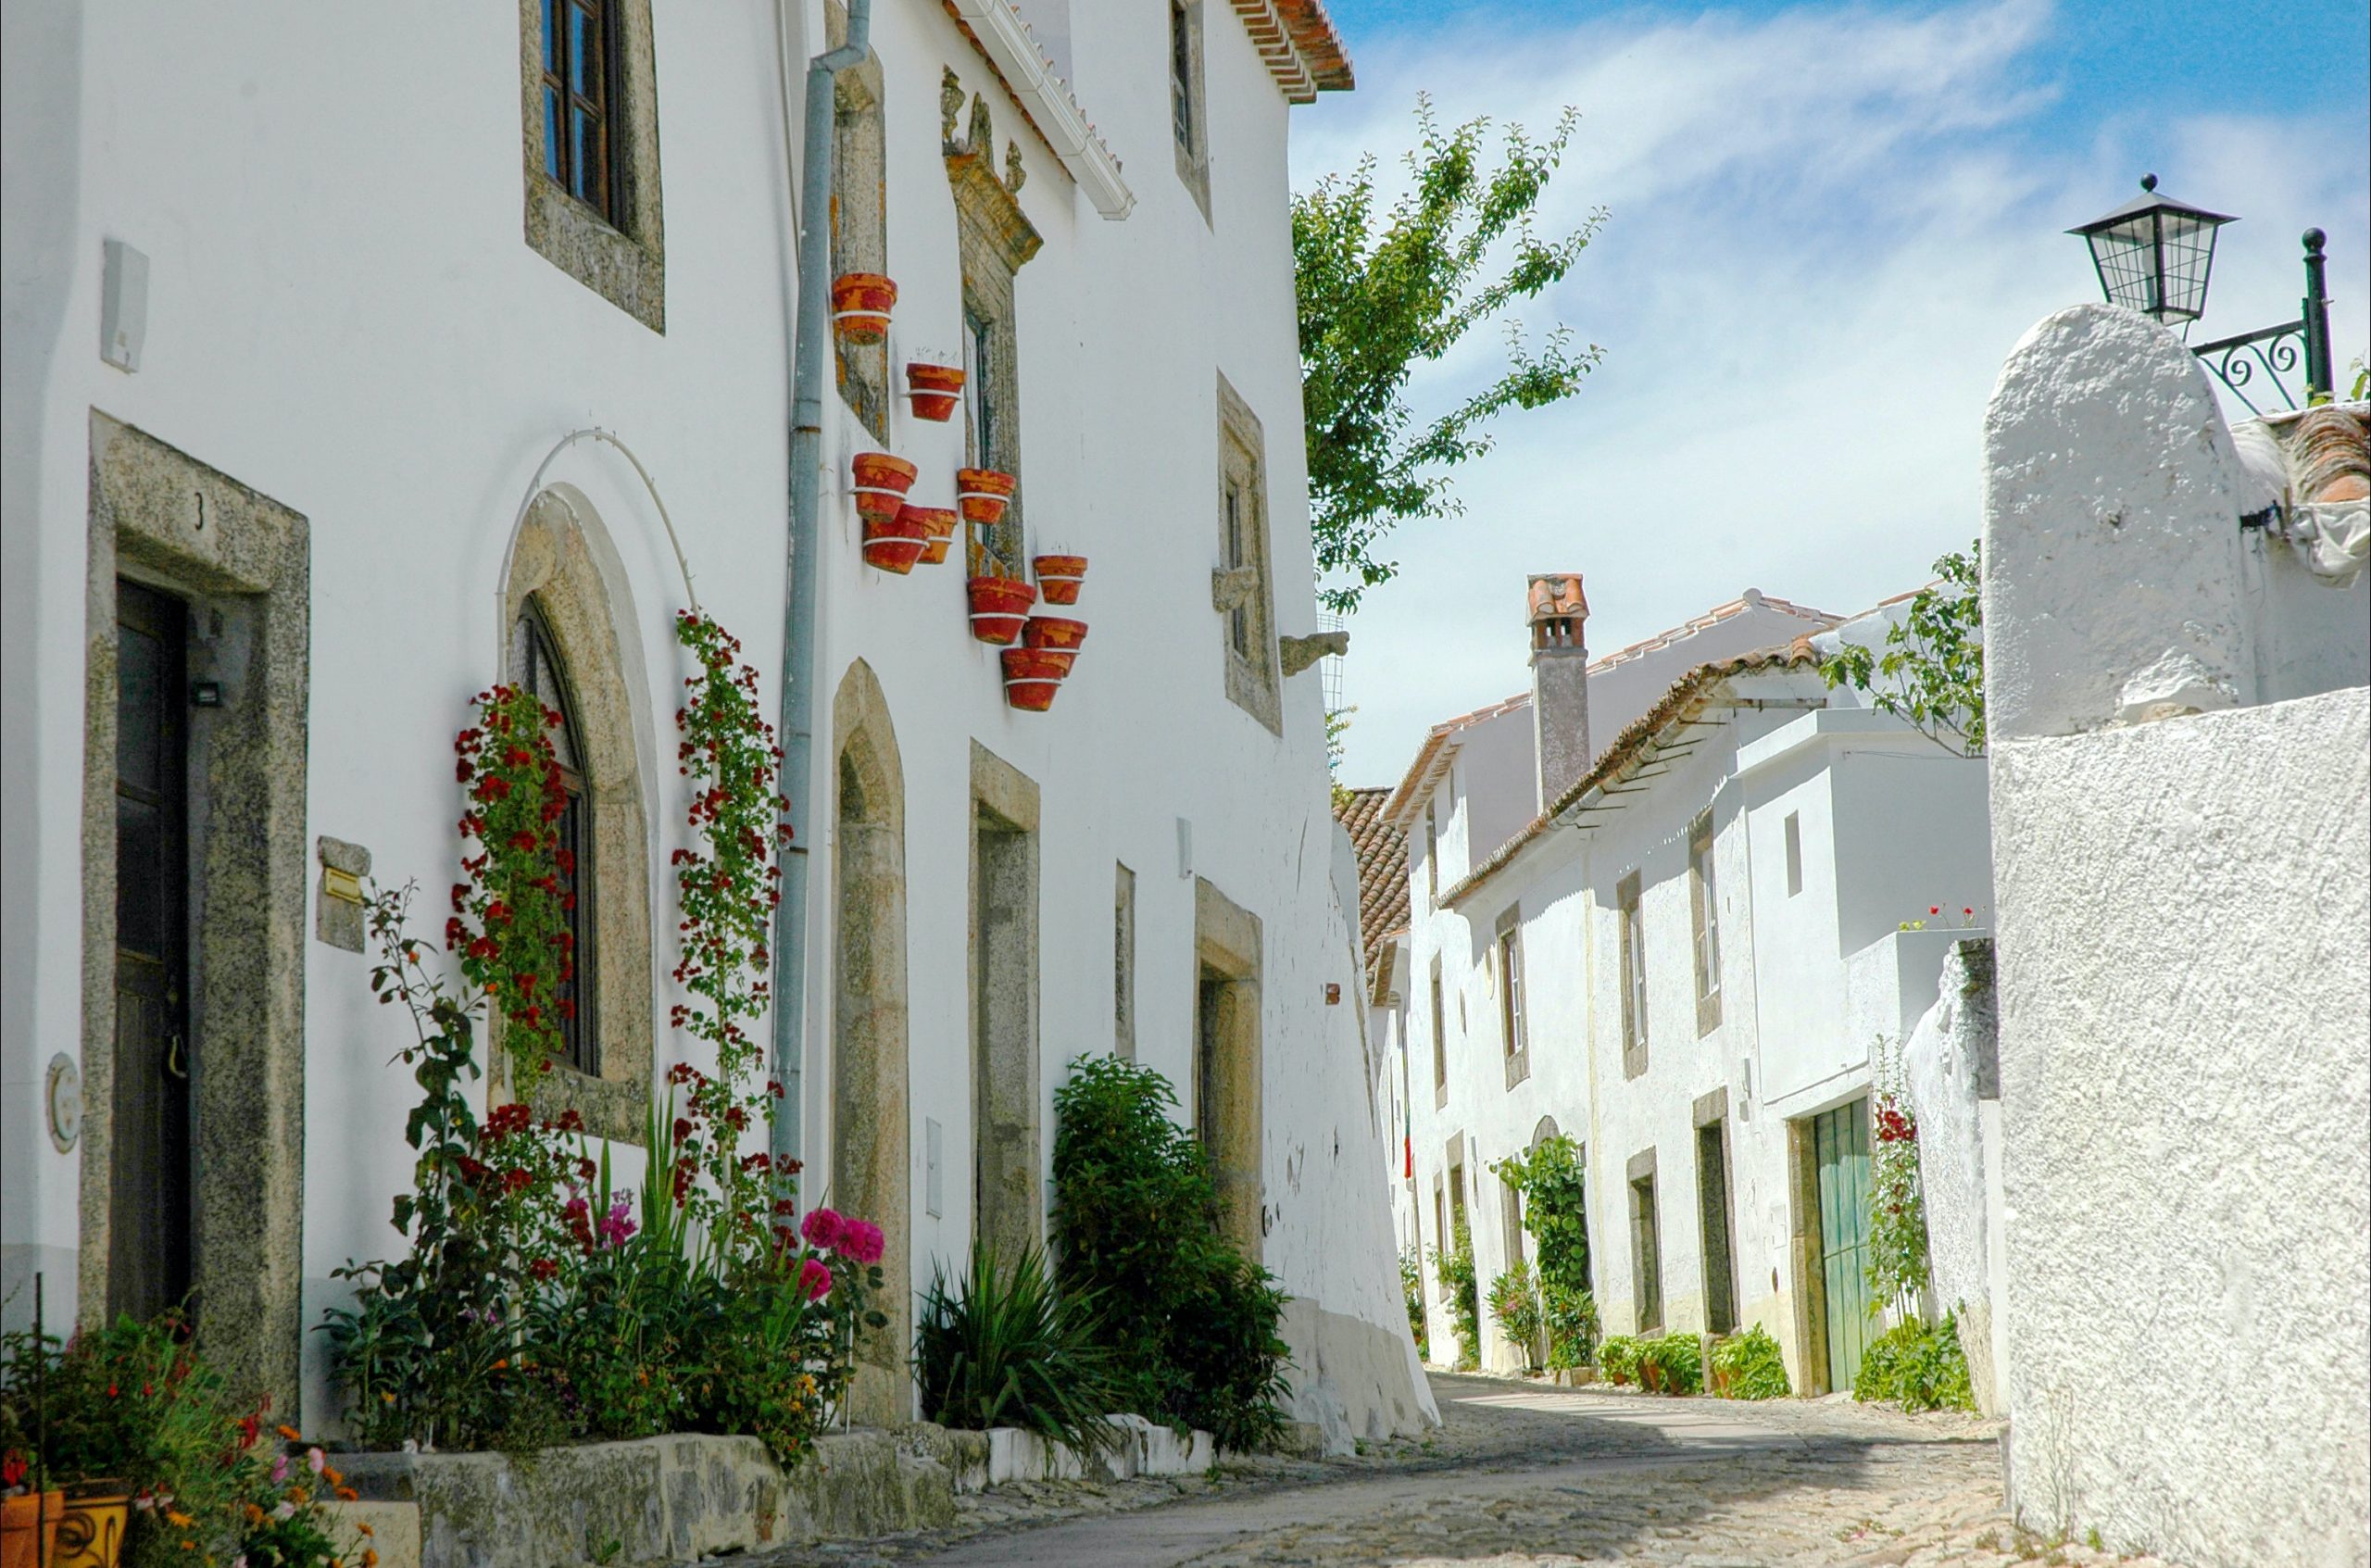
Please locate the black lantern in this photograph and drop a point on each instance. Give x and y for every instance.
(2154, 254)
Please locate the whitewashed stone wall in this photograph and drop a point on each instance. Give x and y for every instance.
(2184, 915)
(1952, 1067)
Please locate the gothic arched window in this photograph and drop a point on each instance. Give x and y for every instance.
(535, 664)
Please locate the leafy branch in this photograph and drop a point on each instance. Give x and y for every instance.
(1932, 670)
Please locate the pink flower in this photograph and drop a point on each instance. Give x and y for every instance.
(822, 1228)
(313, 1461)
(861, 1242)
(280, 1470)
(814, 1278)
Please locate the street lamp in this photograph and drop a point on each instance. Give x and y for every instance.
(2153, 255)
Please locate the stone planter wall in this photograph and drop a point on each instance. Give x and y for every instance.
(662, 1501)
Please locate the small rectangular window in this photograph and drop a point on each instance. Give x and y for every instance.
(578, 92)
(1794, 853)
(1432, 852)
(1181, 75)
(1705, 915)
(1513, 1029)
(1645, 1255)
(1243, 588)
(1634, 977)
(1123, 965)
(1440, 1041)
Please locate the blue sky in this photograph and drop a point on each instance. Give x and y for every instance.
(1828, 224)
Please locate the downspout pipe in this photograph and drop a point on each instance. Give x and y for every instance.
(810, 330)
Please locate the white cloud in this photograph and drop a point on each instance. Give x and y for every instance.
(1828, 228)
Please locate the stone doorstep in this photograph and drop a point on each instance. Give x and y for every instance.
(662, 1501)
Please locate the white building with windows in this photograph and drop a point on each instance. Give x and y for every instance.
(1682, 958)
(313, 428)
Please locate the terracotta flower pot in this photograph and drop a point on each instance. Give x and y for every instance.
(999, 606)
(28, 1529)
(1054, 632)
(895, 544)
(1057, 577)
(1032, 676)
(938, 530)
(933, 389)
(91, 1534)
(983, 494)
(860, 306)
(881, 482)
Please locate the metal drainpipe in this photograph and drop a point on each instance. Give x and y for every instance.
(810, 332)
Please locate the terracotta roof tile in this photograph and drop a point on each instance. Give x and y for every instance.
(1383, 867)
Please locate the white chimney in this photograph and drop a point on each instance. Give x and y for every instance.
(1560, 688)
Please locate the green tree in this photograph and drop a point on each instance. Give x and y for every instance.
(1383, 293)
(1932, 670)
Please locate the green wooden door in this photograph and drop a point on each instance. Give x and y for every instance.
(1840, 1139)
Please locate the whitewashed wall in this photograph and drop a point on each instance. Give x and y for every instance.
(343, 316)
(2183, 927)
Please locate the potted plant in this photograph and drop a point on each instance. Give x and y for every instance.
(933, 388)
(1032, 676)
(30, 1511)
(1057, 577)
(1054, 632)
(893, 543)
(983, 494)
(938, 530)
(881, 482)
(999, 606)
(860, 306)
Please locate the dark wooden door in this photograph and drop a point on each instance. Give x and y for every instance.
(1713, 1203)
(149, 1263)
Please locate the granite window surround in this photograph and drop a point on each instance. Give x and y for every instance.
(1243, 590)
(621, 254)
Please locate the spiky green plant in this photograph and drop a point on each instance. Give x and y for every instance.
(1004, 1347)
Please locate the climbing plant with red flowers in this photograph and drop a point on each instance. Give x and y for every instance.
(510, 922)
(1898, 1264)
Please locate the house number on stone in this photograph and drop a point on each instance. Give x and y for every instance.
(64, 1098)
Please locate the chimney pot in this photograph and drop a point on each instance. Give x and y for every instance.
(1557, 610)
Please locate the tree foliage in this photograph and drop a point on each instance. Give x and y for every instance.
(1932, 670)
(1382, 292)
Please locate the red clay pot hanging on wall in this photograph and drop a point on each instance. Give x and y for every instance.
(895, 544)
(881, 482)
(1032, 676)
(1059, 576)
(999, 606)
(1055, 632)
(933, 389)
(984, 493)
(938, 530)
(861, 307)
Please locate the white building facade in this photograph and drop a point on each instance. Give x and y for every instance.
(311, 428)
(1684, 963)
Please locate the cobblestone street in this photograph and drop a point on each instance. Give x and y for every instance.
(1529, 1477)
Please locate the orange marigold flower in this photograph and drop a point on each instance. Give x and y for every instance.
(364, 1528)
(178, 1519)
(347, 1494)
(289, 1432)
(369, 1558)
(329, 1474)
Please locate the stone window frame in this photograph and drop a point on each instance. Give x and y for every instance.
(623, 259)
(1440, 1039)
(859, 216)
(1646, 1242)
(993, 241)
(1192, 148)
(1705, 923)
(553, 561)
(1243, 585)
(1228, 965)
(1432, 855)
(1124, 964)
(1631, 939)
(1514, 1031)
(1005, 804)
(244, 562)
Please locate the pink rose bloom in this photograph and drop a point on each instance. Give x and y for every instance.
(814, 1278)
(280, 1470)
(313, 1461)
(861, 1242)
(823, 1229)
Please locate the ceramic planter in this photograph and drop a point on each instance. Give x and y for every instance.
(895, 544)
(933, 389)
(1059, 577)
(999, 606)
(1055, 632)
(90, 1533)
(881, 482)
(983, 494)
(1032, 676)
(28, 1529)
(860, 306)
(938, 530)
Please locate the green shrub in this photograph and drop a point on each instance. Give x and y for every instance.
(1455, 1269)
(1003, 1348)
(1618, 1356)
(1515, 1306)
(1570, 1317)
(1190, 1324)
(1411, 1287)
(1919, 1363)
(1748, 1366)
(1679, 1357)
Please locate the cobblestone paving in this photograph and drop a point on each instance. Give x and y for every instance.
(1522, 1477)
